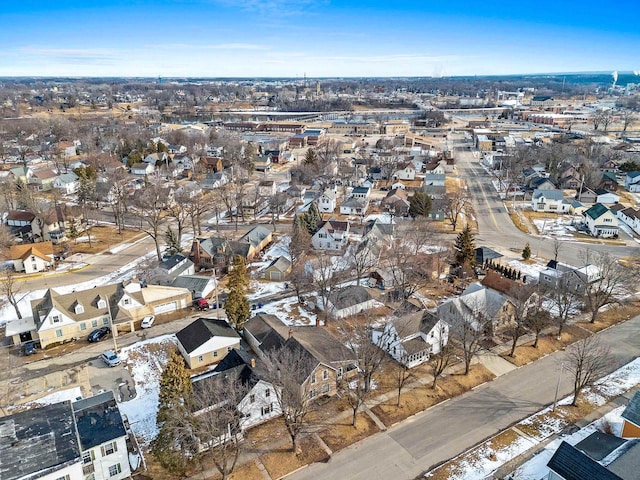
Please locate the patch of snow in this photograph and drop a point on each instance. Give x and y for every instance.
(72, 394)
(560, 226)
(263, 288)
(290, 312)
(383, 217)
(146, 367)
(530, 270)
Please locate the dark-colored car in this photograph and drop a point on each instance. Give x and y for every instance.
(98, 334)
(29, 348)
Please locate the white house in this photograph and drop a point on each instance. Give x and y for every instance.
(332, 235)
(142, 168)
(632, 181)
(601, 221)
(435, 179)
(327, 201)
(606, 197)
(362, 192)
(157, 158)
(630, 217)
(549, 201)
(32, 257)
(406, 171)
(206, 341)
(354, 206)
(412, 338)
(346, 301)
(67, 182)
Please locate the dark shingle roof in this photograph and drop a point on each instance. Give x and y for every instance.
(571, 464)
(98, 420)
(596, 211)
(632, 411)
(38, 440)
(203, 329)
(235, 358)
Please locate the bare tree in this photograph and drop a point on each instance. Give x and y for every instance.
(150, 205)
(628, 117)
(289, 371)
(468, 325)
(324, 277)
(217, 420)
(609, 282)
(521, 298)
(565, 300)
(362, 258)
(178, 209)
(402, 375)
(11, 288)
(557, 247)
(441, 360)
(454, 205)
(118, 197)
(538, 317)
(587, 359)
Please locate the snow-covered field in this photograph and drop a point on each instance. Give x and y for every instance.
(530, 270)
(559, 227)
(145, 360)
(290, 312)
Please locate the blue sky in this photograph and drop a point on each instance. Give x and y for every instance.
(321, 38)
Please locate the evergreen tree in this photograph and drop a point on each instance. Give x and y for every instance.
(526, 252)
(310, 157)
(173, 242)
(172, 449)
(310, 219)
(465, 249)
(419, 204)
(237, 306)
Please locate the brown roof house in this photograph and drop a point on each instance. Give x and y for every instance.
(32, 257)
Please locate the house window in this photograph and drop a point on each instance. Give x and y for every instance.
(325, 388)
(91, 476)
(267, 409)
(88, 457)
(267, 392)
(322, 235)
(252, 398)
(94, 323)
(126, 301)
(58, 333)
(79, 309)
(109, 448)
(215, 354)
(105, 320)
(115, 470)
(56, 319)
(312, 393)
(201, 358)
(102, 304)
(313, 377)
(325, 374)
(83, 327)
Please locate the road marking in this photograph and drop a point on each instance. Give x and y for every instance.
(486, 199)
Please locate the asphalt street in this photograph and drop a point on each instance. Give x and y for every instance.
(412, 447)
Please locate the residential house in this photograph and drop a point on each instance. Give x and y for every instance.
(354, 206)
(258, 238)
(212, 164)
(55, 223)
(346, 301)
(142, 168)
(436, 167)
(263, 163)
(631, 418)
(103, 438)
(600, 221)
(20, 223)
(218, 252)
(42, 180)
(22, 175)
(252, 202)
(586, 195)
(412, 338)
(435, 180)
(215, 180)
(296, 192)
(200, 286)
(382, 278)
(327, 201)
(549, 201)
(177, 265)
(331, 235)
(326, 359)
(482, 308)
(541, 183)
(267, 188)
(206, 341)
(632, 182)
(157, 159)
(67, 182)
(67, 149)
(404, 171)
(277, 270)
(259, 403)
(396, 202)
(577, 208)
(629, 216)
(58, 318)
(606, 197)
(32, 257)
(609, 181)
(569, 463)
(557, 274)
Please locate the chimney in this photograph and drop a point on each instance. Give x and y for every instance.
(253, 363)
(195, 252)
(290, 332)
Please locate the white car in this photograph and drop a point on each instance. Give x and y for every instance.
(147, 321)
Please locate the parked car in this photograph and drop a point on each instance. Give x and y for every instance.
(147, 321)
(201, 304)
(110, 358)
(98, 334)
(29, 348)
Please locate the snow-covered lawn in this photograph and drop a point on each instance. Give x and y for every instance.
(263, 288)
(530, 270)
(59, 396)
(290, 312)
(560, 226)
(146, 360)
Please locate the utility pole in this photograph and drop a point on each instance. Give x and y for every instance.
(113, 335)
(555, 397)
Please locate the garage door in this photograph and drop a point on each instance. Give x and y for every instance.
(166, 307)
(275, 276)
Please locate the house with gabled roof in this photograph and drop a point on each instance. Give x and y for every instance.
(569, 463)
(206, 341)
(32, 257)
(404, 171)
(346, 301)
(327, 201)
(67, 182)
(412, 338)
(549, 201)
(354, 206)
(600, 221)
(631, 418)
(632, 182)
(42, 180)
(331, 235)
(277, 270)
(629, 216)
(142, 168)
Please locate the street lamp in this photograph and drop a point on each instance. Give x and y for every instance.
(555, 397)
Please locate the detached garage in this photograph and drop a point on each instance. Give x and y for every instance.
(206, 341)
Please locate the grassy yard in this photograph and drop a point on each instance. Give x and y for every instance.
(103, 237)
